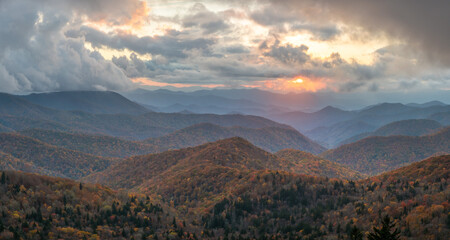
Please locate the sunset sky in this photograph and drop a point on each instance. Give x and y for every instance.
(277, 45)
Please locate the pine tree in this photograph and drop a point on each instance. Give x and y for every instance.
(3, 178)
(386, 232)
(355, 234)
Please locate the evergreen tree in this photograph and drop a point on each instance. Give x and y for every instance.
(355, 234)
(3, 179)
(386, 232)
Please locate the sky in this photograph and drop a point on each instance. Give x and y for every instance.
(340, 46)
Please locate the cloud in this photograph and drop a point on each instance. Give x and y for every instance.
(423, 25)
(167, 45)
(287, 54)
(36, 56)
(282, 20)
(199, 16)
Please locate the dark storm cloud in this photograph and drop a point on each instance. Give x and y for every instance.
(167, 45)
(288, 20)
(424, 25)
(287, 54)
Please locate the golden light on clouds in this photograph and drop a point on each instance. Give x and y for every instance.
(298, 80)
(298, 84)
(151, 83)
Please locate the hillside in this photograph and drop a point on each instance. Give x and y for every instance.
(98, 145)
(203, 173)
(330, 126)
(332, 135)
(231, 153)
(234, 194)
(40, 207)
(411, 127)
(442, 117)
(87, 101)
(16, 106)
(19, 114)
(310, 164)
(374, 155)
(270, 138)
(8, 162)
(285, 205)
(308, 121)
(4, 129)
(34, 154)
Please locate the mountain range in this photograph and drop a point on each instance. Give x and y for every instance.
(183, 175)
(19, 114)
(242, 200)
(374, 155)
(412, 127)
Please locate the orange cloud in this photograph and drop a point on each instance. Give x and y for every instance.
(291, 85)
(149, 82)
(135, 20)
(139, 17)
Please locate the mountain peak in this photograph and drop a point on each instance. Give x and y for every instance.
(330, 109)
(103, 102)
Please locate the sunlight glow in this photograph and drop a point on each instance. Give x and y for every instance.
(298, 80)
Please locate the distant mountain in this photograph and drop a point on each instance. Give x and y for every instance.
(18, 114)
(442, 117)
(45, 158)
(374, 155)
(305, 101)
(332, 135)
(270, 138)
(385, 113)
(105, 146)
(16, 106)
(310, 164)
(412, 127)
(87, 101)
(4, 129)
(307, 121)
(427, 104)
(330, 126)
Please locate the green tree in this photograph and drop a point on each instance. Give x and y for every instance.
(3, 179)
(355, 234)
(386, 232)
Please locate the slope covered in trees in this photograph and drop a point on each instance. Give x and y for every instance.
(224, 192)
(45, 158)
(19, 114)
(411, 127)
(87, 101)
(279, 205)
(196, 176)
(99, 145)
(39, 207)
(374, 155)
(310, 164)
(231, 197)
(270, 138)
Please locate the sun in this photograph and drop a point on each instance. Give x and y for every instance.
(298, 80)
